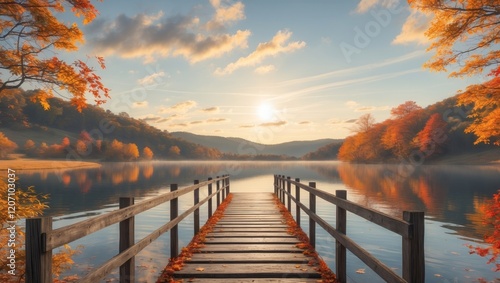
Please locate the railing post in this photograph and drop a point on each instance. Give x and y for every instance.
(227, 189)
(196, 217)
(283, 186)
(297, 198)
(217, 187)
(274, 185)
(289, 190)
(38, 260)
(413, 248)
(127, 270)
(340, 251)
(174, 232)
(210, 200)
(312, 208)
(223, 190)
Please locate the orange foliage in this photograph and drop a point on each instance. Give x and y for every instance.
(31, 34)
(6, 146)
(327, 275)
(147, 153)
(432, 134)
(176, 264)
(491, 218)
(465, 34)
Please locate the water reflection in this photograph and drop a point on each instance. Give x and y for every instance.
(450, 195)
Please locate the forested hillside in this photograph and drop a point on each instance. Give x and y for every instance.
(413, 133)
(95, 127)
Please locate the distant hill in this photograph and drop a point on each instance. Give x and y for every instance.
(242, 146)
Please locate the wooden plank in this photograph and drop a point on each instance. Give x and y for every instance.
(250, 235)
(249, 257)
(249, 229)
(254, 280)
(247, 270)
(282, 248)
(253, 225)
(254, 240)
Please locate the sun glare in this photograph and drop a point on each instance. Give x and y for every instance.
(266, 111)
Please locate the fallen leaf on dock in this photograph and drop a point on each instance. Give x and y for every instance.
(200, 269)
(360, 271)
(437, 275)
(297, 266)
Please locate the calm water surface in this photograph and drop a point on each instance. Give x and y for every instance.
(449, 195)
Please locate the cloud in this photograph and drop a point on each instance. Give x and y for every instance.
(365, 5)
(167, 119)
(360, 108)
(225, 14)
(265, 69)
(273, 124)
(214, 109)
(413, 30)
(151, 79)
(140, 104)
(338, 121)
(150, 118)
(216, 120)
(246, 126)
(277, 45)
(196, 122)
(179, 107)
(180, 125)
(152, 36)
(304, 122)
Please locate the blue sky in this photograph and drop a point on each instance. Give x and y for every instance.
(267, 71)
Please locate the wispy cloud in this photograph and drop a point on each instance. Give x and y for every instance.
(152, 36)
(362, 108)
(413, 30)
(179, 107)
(365, 5)
(154, 78)
(247, 126)
(140, 104)
(278, 44)
(273, 124)
(304, 122)
(265, 69)
(217, 120)
(214, 109)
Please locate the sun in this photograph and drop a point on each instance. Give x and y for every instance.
(266, 111)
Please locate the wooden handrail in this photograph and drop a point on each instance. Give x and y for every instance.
(41, 239)
(411, 228)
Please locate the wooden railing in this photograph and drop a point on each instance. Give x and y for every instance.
(41, 239)
(411, 229)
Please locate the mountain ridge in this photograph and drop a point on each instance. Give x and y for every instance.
(235, 145)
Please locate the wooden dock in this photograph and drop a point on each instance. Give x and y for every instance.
(250, 243)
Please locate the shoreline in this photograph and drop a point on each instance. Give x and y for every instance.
(45, 164)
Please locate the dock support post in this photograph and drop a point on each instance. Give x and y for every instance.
(289, 191)
(340, 250)
(38, 259)
(174, 232)
(127, 239)
(217, 187)
(413, 248)
(297, 198)
(312, 208)
(196, 215)
(210, 200)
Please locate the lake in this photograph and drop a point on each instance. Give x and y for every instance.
(450, 196)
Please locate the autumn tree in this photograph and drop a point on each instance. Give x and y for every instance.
(130, 151)
(431, 138)
(174, 151)
(29, 146)
(30, 37)
(6, 146)
(464, 36)
(491, 212)
(147, 153)
(364, 123)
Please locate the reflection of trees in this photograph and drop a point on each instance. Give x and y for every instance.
(449, 194)
(148, 171)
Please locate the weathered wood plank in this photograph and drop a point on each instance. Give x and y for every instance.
(254, 280)
(249, 229)
(282, 248)
(254, 240)
(247, 270)
(251, 235)
(249, 258)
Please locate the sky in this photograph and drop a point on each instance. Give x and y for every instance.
(266, 71)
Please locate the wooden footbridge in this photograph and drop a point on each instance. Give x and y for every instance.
(250, 243)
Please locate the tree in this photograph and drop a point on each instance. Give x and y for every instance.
(491, 212)
(130, 151)
(465, 35)
(364, 123)
(174, 150)
(404, 109)
(429, 139)
(30, 35)
(6, 146)
(29, 146)
(147, 153)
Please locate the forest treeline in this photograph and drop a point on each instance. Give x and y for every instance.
(412, 133)
(97, 133)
